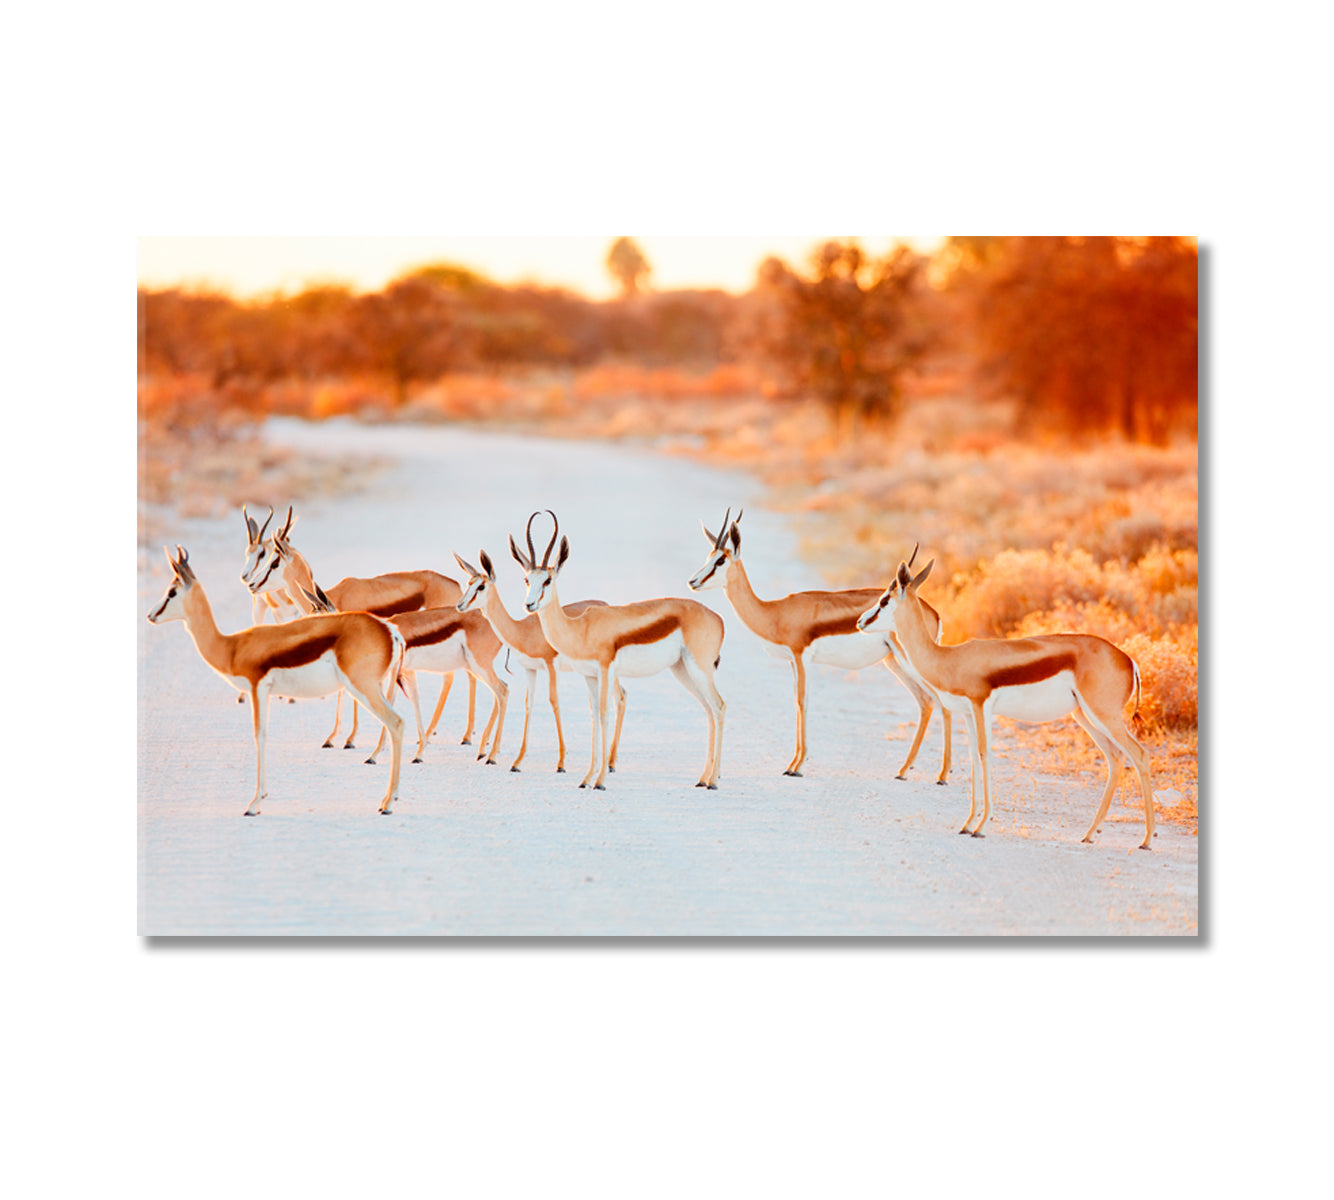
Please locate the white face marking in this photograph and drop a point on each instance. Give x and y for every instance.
(172, 607)
(713, 573)
(266, 576)
(539, 588)
(880, 617)
(472, 594)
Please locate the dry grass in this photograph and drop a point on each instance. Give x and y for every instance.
(196, 461)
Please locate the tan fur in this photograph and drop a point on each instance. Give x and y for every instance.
(525, 637)
(797, 620)
(383, 596)
(366, 651)
(429, 627)
(1105, 678)
(602, 633)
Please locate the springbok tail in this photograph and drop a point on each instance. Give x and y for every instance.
(396, 663)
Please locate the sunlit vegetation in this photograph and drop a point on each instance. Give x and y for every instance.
(1024, 408)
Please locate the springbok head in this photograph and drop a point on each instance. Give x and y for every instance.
(262, 574)
(879, 618)
(172, 607)
(474, 591)
(540, 576)
(256, 548)
(726, 548)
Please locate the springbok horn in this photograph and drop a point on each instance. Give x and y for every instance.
(263, 527)
(722, 533)
(250, 527)
(913, 556)
(528, 533)
(555, 529)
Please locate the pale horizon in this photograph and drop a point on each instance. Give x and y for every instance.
(250, 267)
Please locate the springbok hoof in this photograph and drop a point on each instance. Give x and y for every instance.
(466, 742)
(941, 782)
(370, 762)
(904, 778)
(599, 787)
(327, 746)
(978, 835)
(515, 770)
(583, 785)
(713, 787)
(419, 759)
(560, 770)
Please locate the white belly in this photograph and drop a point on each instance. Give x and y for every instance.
(578, 666)
(318, 678)
(635, 662)
(1049, 700)
(851, 651)
(438, 658)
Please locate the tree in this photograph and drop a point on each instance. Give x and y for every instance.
(848, 331)
(1090, 334)
(413, 330)
(627, 265)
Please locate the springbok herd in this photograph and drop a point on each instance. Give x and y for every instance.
(366, 636)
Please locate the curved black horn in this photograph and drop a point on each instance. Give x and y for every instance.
(913, 556)
(727, 524)
(528, 533)
(263, 527)
(555, 529)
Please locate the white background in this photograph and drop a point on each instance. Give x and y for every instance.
(827, 1069)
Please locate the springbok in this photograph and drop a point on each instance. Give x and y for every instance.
(260, 558)
(816, 627)
(381, 596)
(440, 641)
(533, 653)
(310, 656)
(1033, 679)
(632, 640)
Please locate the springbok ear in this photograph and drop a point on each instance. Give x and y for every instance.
(469, 569)
(487, 565)
(563, 553)
(713, 541)
(903, 577)
(171, 558)
(183, 565)
(736, 537)
(323, 599)
(518, 555)
(925, 571)
(251, 526)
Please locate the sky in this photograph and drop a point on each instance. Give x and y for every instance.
(250, 266)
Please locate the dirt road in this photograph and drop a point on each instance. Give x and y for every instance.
(477, 850)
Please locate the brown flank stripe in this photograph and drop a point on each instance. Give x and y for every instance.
(834, 626)
(1031, 672)
(304, 652)
(409, 603)
(434, 634)
(647, 635)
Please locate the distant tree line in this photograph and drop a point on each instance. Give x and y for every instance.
(1082, 335)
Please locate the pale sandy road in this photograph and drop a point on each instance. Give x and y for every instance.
(475, 850)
